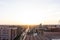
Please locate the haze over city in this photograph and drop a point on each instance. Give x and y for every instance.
(29, 19)
(29, 11)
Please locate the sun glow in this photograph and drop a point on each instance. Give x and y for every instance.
(23, 12)
(30, 19)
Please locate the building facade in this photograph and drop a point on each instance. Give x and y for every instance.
(8, 32)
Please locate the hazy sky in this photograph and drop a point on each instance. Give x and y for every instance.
(29, 11)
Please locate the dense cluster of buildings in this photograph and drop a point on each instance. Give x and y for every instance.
(48, 31)
(9, 32)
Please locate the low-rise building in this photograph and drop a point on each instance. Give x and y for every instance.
(8, 32)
